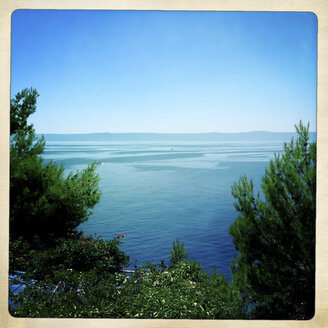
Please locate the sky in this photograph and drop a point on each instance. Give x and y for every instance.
(166, 72)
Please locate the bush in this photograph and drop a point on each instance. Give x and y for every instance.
(78, 253)
(67, 294)
(80, 272)
(153, 291)
(180, 292)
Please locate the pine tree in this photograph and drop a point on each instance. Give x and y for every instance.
(275, 235)
(44, 204)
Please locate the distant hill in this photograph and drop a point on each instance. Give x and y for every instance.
(215, 136)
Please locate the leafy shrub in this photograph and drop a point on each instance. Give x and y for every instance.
(149, 293)
(182, 290)
(68, 294)
(78, 253)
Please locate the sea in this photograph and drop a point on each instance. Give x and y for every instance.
(156, 192)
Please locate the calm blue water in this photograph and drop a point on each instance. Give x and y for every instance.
(155, 192)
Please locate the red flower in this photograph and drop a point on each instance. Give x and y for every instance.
(106, 258)
(121, 235)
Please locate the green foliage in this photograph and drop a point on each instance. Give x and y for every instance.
(178, 252)
(175, 292)
(275, 236)
(67, 294)
(72, 278)
(21, 107)
(23, 143)
(44, 204)
(74, 252)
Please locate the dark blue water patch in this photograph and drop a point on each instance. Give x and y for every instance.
(128, 159)
(155, 168)
(250, 156)
(158, 151)
(158, 157)
(76, 146)
(181, 166)
(65, 152)
(249, 152)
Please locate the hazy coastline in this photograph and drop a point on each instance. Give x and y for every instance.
(215, 136)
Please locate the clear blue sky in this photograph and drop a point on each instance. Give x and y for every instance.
(139, 71)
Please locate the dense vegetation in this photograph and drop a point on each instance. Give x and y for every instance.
(182, 290)
(44, 205)
(275, 235)
(70, 275)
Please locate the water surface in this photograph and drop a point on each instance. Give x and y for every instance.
(155, 192)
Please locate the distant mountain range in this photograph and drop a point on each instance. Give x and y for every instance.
(215, 136)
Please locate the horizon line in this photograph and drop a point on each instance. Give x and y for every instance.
(185, 133)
